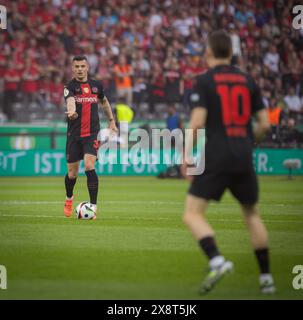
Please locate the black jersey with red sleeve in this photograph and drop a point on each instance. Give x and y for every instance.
(86, 95)
(231, 97)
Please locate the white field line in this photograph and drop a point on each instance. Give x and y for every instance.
(62, 217)
(136, 219)
(30, 202)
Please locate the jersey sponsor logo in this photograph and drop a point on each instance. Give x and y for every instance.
(66, 92)
(195, 97)
(86, 99)
(94, 90)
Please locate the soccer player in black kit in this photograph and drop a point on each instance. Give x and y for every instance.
(82, 95)
(224, 101)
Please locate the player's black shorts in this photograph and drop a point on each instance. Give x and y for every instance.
(77, 148)
(211, 186)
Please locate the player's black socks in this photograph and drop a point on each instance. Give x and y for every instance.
(92, 185)
(69, 186)
(263, 259)
(209, 246)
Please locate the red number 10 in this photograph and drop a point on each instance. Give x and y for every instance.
(231, 104)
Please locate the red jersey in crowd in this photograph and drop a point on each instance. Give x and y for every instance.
(2, 64)
(31, 77)
(8, 84)
(56, 90)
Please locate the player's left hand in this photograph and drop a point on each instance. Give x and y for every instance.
(184, 168)
(112, 127)
(72, 115)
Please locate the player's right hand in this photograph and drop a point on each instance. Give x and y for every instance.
(72, 115)
(184, 168)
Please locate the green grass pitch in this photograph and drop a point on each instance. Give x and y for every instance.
(138, 248)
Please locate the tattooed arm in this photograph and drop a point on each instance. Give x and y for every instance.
(109, 114)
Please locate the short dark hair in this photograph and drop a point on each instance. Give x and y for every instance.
(79, 58)
(220, 43)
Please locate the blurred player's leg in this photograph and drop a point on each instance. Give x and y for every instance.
(70, 181)
(259, 240)
(92, 178)
(195, 220)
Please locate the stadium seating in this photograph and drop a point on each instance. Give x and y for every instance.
(163, 41)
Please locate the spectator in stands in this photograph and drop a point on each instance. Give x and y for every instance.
(189, 70)
(56, 89)
(184, 22)
(226, 7)
(11, 86)
(104, 74)
(172, 80)
(124, 114)
(30, 77)
(44, 90)
(152, 34)
(173, 120)
(155, 19)
(276, 116)
(243, 13)
(289, 135)
(271, 59)
(293, 103)
(141, 68)
(156, 87)
(274, 113)
(236, 44)
(194, 44)
(92, 59)
(141, 64)
(3, 59)
(123, 73)
(139, 92)
(109, 19)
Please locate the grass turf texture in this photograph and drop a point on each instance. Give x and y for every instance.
(138, 248)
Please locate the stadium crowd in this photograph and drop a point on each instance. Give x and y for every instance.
(148, 53)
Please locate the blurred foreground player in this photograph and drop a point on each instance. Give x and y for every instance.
(82, 95)
(224, 101)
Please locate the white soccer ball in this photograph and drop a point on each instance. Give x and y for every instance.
(85, 210)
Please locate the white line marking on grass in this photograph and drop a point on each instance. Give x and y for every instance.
(28, 216)
(136, 219)
(18, 202)
(29, 202)
(62, 217)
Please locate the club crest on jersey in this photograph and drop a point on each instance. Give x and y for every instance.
(86, 90)
(94, 90)
(194, 97)
(66, 92)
